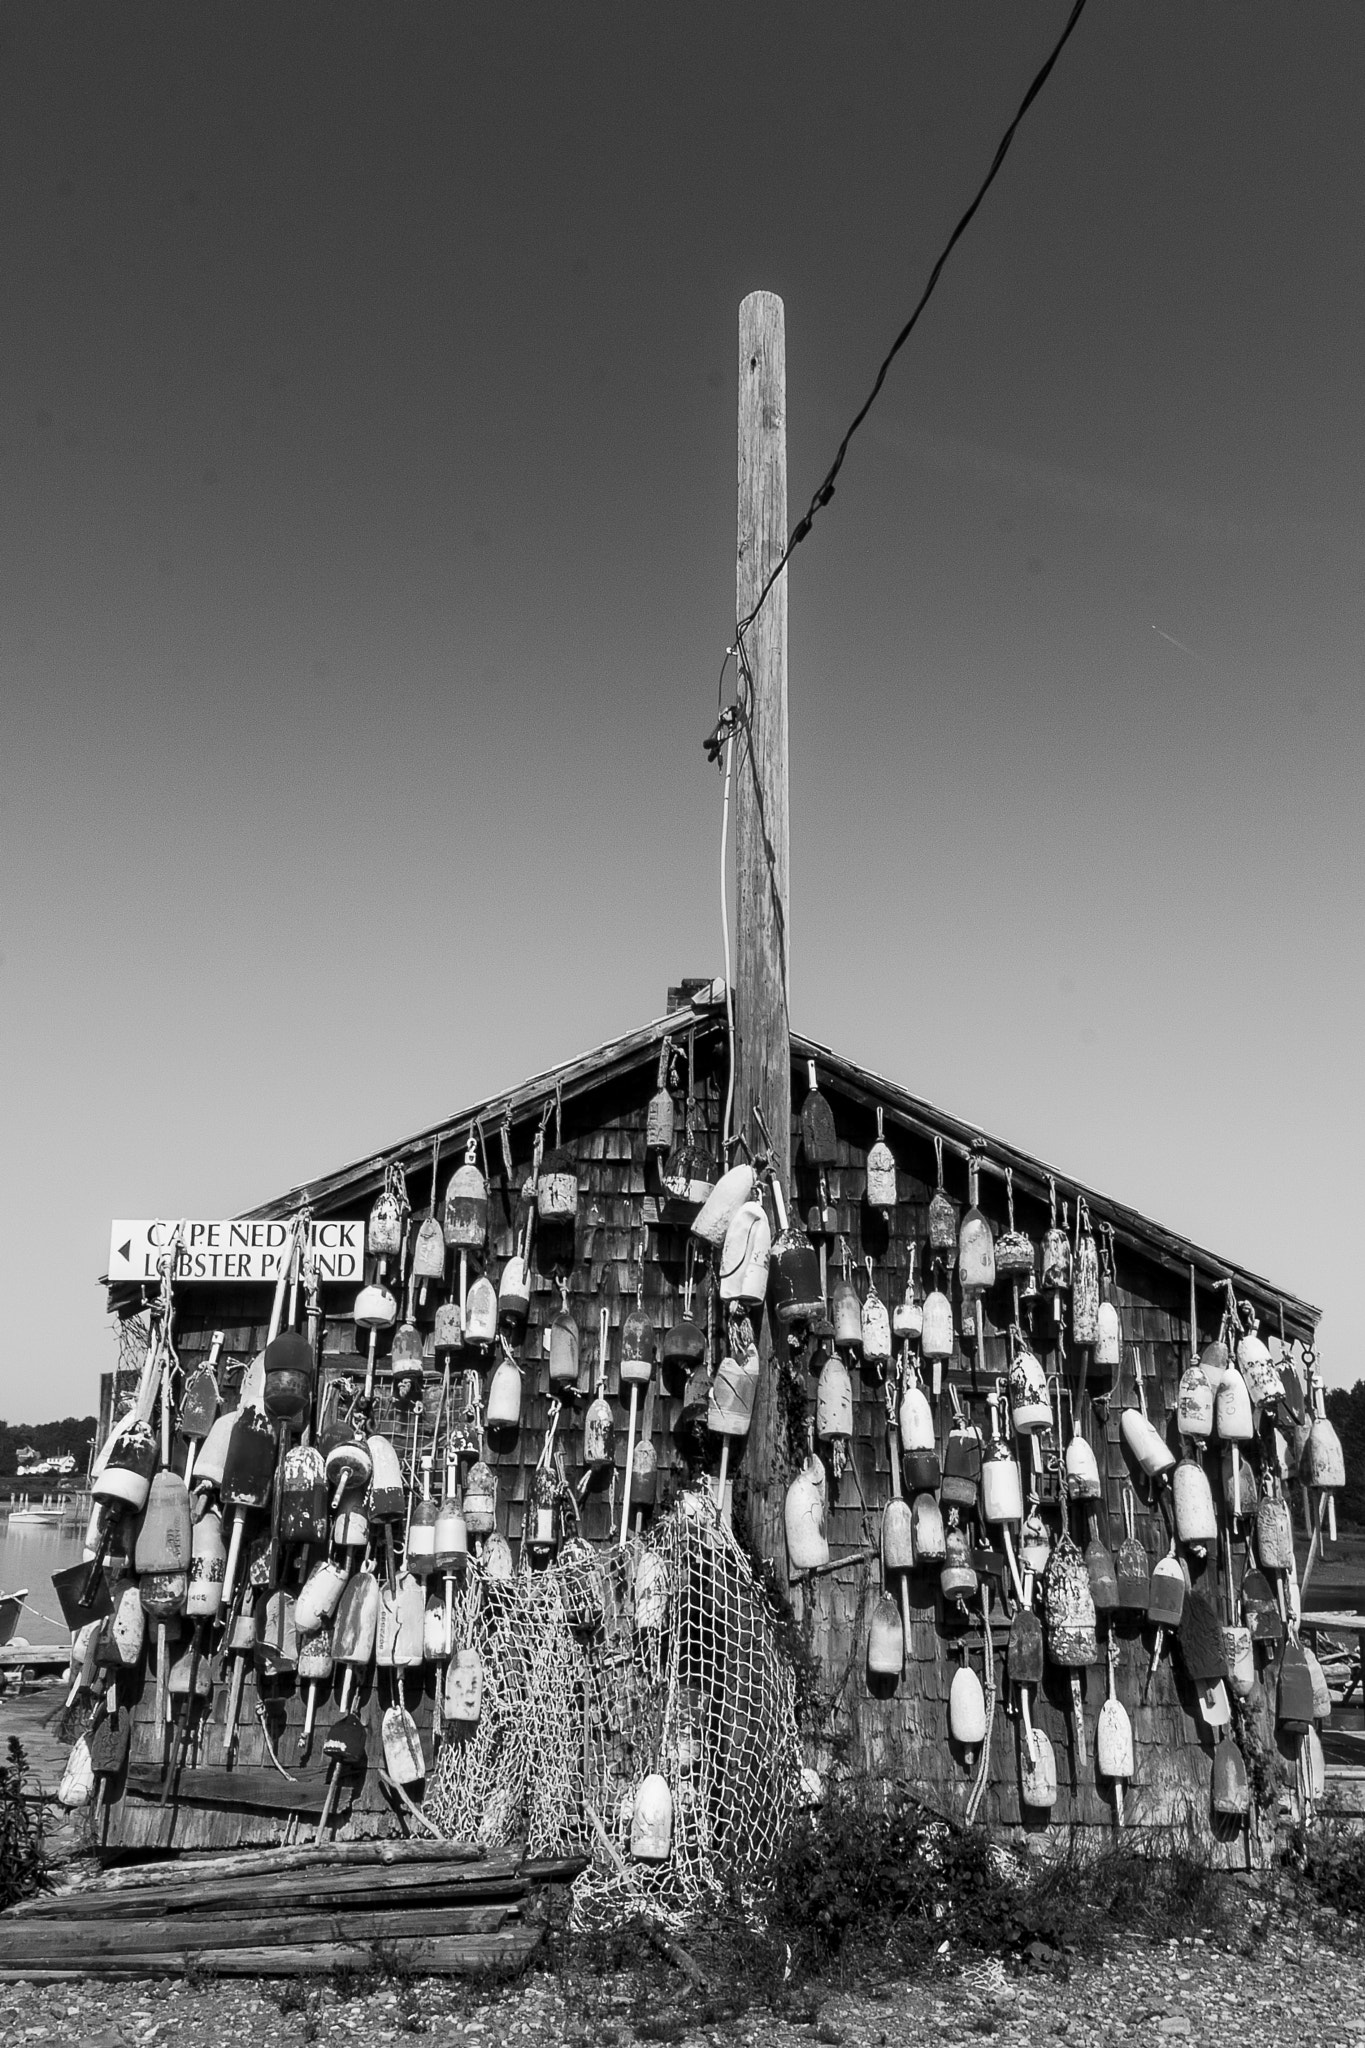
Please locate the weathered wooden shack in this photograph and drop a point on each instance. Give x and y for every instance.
(629, 1238)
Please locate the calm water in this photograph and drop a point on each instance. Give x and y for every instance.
(29, 1555)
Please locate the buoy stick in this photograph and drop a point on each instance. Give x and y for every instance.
(332, 1785)
(1027, 1719)
(233, 1557)
(234, 1705)
(309, 1712)
(724, 1469)
(184, 1735)
(630, 1459)
(1013, 1564)
(1156, 1653)
(162, 1631)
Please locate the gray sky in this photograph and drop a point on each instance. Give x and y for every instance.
(367, 421)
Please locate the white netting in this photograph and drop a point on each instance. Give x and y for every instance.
(608, 1666)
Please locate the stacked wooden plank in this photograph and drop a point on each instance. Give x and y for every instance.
(445, 1908)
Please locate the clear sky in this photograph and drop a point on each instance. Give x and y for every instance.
(367, 501)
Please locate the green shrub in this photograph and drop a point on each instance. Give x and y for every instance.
(885, 1877)
(868, 1882)
(1329, 1864)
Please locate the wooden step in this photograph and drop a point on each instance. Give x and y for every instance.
(57, 1941)
(286, 1892)
(505, 1952)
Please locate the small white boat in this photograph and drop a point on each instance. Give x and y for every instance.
(26, 1512)
(10, 1604)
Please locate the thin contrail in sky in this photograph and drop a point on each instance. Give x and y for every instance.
(1177, 643)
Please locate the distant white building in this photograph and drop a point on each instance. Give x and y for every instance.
(31, 1466)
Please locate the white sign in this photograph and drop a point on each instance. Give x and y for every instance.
(248, 1249)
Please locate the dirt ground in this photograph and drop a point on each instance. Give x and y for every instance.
(1300, 1990)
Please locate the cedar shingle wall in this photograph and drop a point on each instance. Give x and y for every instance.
(902, 1736)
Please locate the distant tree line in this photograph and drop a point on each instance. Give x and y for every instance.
(1346, 1413)
(48, 1439)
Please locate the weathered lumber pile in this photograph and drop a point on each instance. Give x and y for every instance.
(447, 1908)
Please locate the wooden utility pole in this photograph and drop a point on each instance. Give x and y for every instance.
(762, 848)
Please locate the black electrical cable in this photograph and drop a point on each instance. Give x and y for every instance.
(826, 490)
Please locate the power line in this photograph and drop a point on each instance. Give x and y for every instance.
(826, 489)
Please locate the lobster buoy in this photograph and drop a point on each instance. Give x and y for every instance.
(927, 1541)
(504, 1395)
(637, 1348)
(651, 1592)
(975, 1253)
(1037, 1772)
(1240, 1659)
(907, 1320)
(1030, 1413)
(876, 1328)
(916, 1419)
(731, 1191)
(1108, 1338)
(1194, 1404)
(651, 1825)
(1085, 1291)
(936, 1330)
(384, 1235)
(1274, 1534)
(481, 1315)
(514, 1298)
(557, 1186)
(746, 1254)
(730, 1408)
(1322, 1698)
(845, 1311)
(834, 1402)
(803, 1516)
(1231, 1788)
(78, 1779)
(885, 1639)
(480, 1499)
(966, 1708)
(563, 1348)
(957, 1577)
(1196, 1522)
(1258, 1368)
(881, 1170)
(464, 1689)
(1070, 1608)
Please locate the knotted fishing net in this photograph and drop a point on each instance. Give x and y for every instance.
(607, 1667)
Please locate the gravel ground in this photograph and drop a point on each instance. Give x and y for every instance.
(1297, 1989)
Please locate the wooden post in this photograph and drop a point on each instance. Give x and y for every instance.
(762, 849)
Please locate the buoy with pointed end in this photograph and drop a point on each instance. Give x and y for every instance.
(731, 1191)
(1038, 1773)
(651, 1827)
(1114, 1756)
(885, 1639)
(803, 1517)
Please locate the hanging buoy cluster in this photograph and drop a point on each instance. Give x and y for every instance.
(288, 1531)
